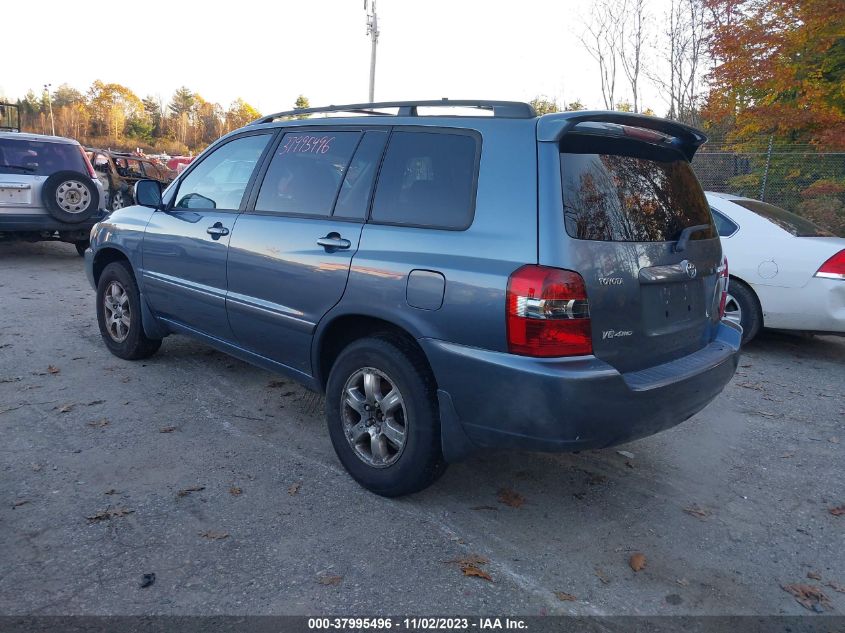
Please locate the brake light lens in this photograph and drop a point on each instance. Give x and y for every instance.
(548, 313)
(724, 279)
(88, 164)
(834, 268)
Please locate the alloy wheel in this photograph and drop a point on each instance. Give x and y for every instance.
(116, 308)
(374, 417)
(733, 311)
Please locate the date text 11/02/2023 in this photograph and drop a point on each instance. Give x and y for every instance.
(421, 623)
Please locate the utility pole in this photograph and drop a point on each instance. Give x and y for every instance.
(373, 32)
(50, 102)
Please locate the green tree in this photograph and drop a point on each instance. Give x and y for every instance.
(574, 106)
(544, 105)
(301, 103)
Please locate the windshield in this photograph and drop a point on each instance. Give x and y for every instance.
(630, 193)
(38, 158)
(789, 222)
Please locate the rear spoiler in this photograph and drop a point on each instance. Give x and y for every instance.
(686, 139)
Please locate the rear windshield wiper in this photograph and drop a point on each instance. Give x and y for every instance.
(686, 234)
(21, 167)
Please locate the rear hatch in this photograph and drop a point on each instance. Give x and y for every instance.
(632, 219)
(25, 163)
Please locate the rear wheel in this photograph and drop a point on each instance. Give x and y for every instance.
(381, 410)
(742, 308)
(119, 314)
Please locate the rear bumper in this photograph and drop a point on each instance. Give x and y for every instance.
(21, 223)
(567, 404)
(818, 306)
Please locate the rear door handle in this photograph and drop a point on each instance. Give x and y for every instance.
(333, 241)
(217, 230)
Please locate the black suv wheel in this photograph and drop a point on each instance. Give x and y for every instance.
(119, 314)
(382, 415)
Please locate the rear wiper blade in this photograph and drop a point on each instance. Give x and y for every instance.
(21, 167)
(686, 234)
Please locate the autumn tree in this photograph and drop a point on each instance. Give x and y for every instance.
(543, 105)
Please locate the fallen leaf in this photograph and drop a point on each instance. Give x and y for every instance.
(186, 491)
(808, 596)
(167, 429)
(629, 464)
(627, 454)
(637, 561)
(566, 597)
(833, 440)
(683, 582)
(836, 586)
(473, 571)
(275, 384)
(837, 512)
(329, 579)
(814, 575)
(494, 508)
(750, 385)
(108, 514)
(696, 511)
(65, 408)
(52, 370)
(214, 536)
(787, 455)
(602, 576)
(18, 504)
(235, 491)
(470, 559)
(94, 402)
(99, 424)
(294, 488)
(110, 491)
(510, 498)
(147, 580)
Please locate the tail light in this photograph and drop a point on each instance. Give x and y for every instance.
(88, 164)
(724, 279)
(548, 313)
(834, 268)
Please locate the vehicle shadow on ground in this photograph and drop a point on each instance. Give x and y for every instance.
(798, 344)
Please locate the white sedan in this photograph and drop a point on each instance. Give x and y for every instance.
(785, 272)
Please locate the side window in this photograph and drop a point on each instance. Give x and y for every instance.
(427, 179)
(101, 163)
(306, 172)
(724, 226)
(219, 181)
(354, 197)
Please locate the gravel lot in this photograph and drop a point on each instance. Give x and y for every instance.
(220, 479)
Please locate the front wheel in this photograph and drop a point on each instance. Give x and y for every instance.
(119, 314)
(381, 410)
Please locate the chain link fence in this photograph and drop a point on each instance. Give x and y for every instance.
(797, 177)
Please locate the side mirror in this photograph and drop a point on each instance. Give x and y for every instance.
(148, 193)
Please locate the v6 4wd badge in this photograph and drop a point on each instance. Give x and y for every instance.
(615, 333)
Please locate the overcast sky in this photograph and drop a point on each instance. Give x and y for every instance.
(269, 52)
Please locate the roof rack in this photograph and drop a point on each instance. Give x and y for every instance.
(502, 109)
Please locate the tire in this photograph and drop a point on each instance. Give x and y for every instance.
(117, 295)
(119, 200)
(81, 246)
(743, 308)
(70, 196)
(378, 460)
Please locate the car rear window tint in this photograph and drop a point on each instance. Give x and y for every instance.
(39, 158)
(306, 172)
(789, 222)
(630, 192)
(354, 196)
(427, 179)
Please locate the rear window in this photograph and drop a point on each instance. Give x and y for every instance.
(39, 158)
(427, 179)
(627, 192)
(789, 222)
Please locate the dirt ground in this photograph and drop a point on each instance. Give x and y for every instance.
(219, 478)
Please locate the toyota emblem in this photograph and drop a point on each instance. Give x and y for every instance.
(691, 271)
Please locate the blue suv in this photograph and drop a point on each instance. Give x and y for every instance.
(453, 275)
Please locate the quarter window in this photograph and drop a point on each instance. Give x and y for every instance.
(306, 171)
(219, 181)
(724, 226)
(427, 179)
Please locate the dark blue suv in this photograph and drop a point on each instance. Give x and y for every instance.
(453, 275)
